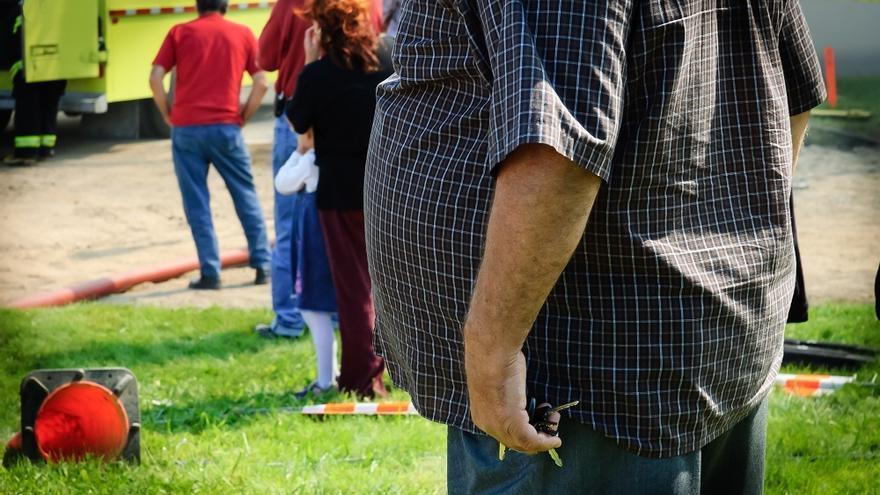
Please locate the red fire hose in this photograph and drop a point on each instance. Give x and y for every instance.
(100, 287)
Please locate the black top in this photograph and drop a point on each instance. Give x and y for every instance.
(339, 104)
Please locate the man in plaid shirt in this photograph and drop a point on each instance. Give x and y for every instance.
(573, 200)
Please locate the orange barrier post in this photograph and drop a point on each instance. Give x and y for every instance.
(831, 76)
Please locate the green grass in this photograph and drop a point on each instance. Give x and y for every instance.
(210, 394)
(855, 93)
(828, 444)
(203, 380)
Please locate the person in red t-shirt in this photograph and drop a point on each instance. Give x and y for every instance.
(211, 54)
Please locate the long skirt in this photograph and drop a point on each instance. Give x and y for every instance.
(361, 370)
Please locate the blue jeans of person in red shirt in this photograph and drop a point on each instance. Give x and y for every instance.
(194, 148)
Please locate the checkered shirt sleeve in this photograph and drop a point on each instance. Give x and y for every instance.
(804, 86)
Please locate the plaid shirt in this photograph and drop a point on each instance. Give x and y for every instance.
(667, 323)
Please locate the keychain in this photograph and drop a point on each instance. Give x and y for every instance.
(539, 417)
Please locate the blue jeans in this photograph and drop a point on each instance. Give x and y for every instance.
(592, 463)
(194, 148)
(284, 257)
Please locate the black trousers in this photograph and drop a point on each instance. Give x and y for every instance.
(36, 116)
(798, 312)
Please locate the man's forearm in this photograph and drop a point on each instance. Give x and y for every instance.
(258, 90)
(161, 100)
(539, 212)
(798, 131)
(160, 97)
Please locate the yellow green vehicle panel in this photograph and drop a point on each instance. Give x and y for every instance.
(60, 39)
(132, 39)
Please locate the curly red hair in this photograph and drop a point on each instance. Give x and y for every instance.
(347, 35)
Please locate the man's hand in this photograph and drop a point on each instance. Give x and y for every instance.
(497, 394)
(539, 212)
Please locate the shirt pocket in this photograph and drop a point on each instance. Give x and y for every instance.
(232, 138)
(185, 139)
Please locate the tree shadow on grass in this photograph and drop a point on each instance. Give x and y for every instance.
(219, 345)
(225, 412)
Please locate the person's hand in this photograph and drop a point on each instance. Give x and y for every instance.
(311, 43)
(166, 115)
(497, 391)
(305, 142)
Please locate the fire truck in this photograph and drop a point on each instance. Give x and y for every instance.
(104, 49)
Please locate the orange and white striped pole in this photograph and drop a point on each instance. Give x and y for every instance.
(362, 408)
(810, 385)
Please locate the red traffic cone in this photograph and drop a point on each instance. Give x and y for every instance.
(79, 419)
(69, 414)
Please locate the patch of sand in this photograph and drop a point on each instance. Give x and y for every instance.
(104, 207)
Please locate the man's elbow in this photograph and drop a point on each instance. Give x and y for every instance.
(266, 63)
(261, 82)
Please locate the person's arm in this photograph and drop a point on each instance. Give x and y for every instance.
(536, 221)
(798, 131)
(273, 39)
(300, 108)
(551, 141)
(260, 83)
(305, 141)
(258, 90)
(160, 96)
(165, 60)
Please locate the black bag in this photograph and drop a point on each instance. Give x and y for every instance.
(280, 104)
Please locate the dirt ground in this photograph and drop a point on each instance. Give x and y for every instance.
(104, 207)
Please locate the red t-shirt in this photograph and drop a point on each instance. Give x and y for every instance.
(281, 43)
(211, 54)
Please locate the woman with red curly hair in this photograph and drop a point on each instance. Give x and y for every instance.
(335, 97)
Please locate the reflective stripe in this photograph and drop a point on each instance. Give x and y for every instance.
(807, 385)
(371, 408)
(47, 140)
(115, 14)
(15, 68)
(17, 25)
(27, 141)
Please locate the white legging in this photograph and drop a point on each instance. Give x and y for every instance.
(321, 327)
